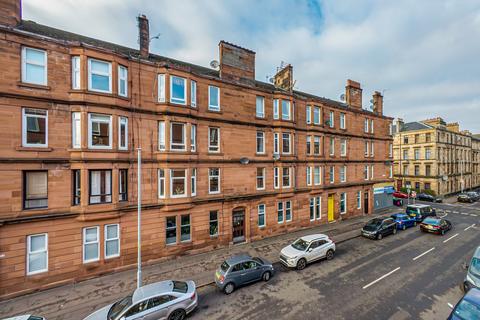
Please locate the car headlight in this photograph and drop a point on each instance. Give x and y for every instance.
(292, 258)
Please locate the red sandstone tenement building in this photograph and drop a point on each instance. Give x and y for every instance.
(226, 158)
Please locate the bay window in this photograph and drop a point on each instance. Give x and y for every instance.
(76, 75)
(286, 110)
(34, 66)
(123, 133)
(178, 90)
(316, 115)
(260, 107)
(286, 177)
(76, 130)
(193, 137)
(122, 185)
(122, 81)
(177, 136)
(193, 94)
(161, 183)
(178, 182)
(286, 142)
(161, 136)
(99, 76)
(275, 109)
(193, 182)
(99, 131)
(161, 88)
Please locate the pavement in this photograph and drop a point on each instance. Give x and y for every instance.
(75, 301)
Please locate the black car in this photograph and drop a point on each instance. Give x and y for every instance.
(474, 195)
(379, 227)
(435, 225)
(427, 197)
(465, 197)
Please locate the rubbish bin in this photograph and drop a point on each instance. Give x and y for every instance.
(397, 202)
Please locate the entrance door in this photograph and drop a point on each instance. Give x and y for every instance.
(365, 202)
(331, 207)
(238, 222)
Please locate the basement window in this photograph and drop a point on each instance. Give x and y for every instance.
(34, 66)
(37, 253)
(112, 241)
(91, 245)
(99, 76)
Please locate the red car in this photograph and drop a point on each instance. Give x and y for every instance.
(399, 194)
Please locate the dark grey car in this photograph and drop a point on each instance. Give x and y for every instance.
(240, 270)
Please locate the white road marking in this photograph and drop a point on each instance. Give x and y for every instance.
(382, 277)
(455, 212)
(473, 214)
(450, 305)
(464, 213)
(421, 255)
(448, 210)
(446, 214)
(456, 234)
(473, 225)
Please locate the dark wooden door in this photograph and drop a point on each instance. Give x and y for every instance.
(238, 222)
(365, 203)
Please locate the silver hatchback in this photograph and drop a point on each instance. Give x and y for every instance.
(171, 300)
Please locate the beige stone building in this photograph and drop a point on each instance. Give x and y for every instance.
(433, 155)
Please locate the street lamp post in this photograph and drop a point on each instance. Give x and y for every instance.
(139, 217)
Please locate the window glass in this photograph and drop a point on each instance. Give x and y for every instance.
(100, 186)
(185, 227)
(213, 223)
(177, 177)
(76, 72)
(260, 178)
(34, 67)
(161, 183)
(100, 76)
(286, 112)
(76, 177)
(161, 135)
(316, 115)
(37, 253)
(122, 185)
(177, 136)
(171, 230)
(178, 90)
(261, 215)
(286, 143)
(112, 241)
(260, 142)
(213, 98)
(193, 93)
(213, 139)
(90, 244)
(76, 130)
(280, 212)
(288, 210)
(123, 133)
(260, 107)
(286, 177)
(35, 189)
(100, 131)
(214, 180)
(35, 127)
(122, 81)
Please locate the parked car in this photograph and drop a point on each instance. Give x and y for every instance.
(26, 317)
(464, 197)
(420, 211)
(427, 197)
(472, 279)
(468, 307)
(307, 249)
(404, 221)
(171, 300)
(435, 225)
(240, 270)
(399, 194)
(377, 228)
(474, 195)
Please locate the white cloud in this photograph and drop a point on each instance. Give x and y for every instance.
(423, 53)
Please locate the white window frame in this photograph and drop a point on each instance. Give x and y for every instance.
(371, 174)
(371, 126)
(161, 136)
(29, 252)
(332, 146)
(343, 173)
(288, 116)
(365, 125)
(276, 181)
(209, 180)
(343, 147)
(318, 208)
(276, 114)
(276, 143)
(110, 131)
(76, 130)
(106, 239)
(161, 87)
(343, 120)
(309, 176)
(262, 107)
(210, 106)
(344, 204)
(84, 243)
(366, 148)
(311, 208)
(390, 174)
(316, 111)
(359, 199)
(184, 133)
(176, 100)
(308, 114)
(25, 62)
(263, 179)
(122, 78)
(367, 171)
(193, 137)
(332, 119)
(193, 182)
(24, 128)
(161, 182)
(285, 210)
(193, 93)
(184, 183)
(262, 134)
(210, 150)
(261, 212)
(76, 74)
(372, 149)
(124, 121)
(315, 140)
(289, 169)
(109, 74)
(317, 172)
(281, 204)
(332, 174)
(390, 150)
(289, 143)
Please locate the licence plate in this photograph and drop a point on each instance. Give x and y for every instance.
(217, 275)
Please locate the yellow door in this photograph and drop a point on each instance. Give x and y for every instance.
(331, 207)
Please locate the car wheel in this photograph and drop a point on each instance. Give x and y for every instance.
(301, 264)
(266, 276)
(178, 314)
(404, 227)
(379, 236)
(394, 230)
(229, 288)
(330, 254)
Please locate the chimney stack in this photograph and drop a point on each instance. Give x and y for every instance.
(143, 36)
(398, 125)
(10, 12)
(236, 63)
(353, 94)
(377, 103)
(284, 78)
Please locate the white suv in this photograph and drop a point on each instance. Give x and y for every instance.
(307, 249)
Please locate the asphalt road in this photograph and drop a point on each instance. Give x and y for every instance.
(410, 275)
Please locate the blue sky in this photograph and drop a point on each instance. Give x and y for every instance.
(424, 54)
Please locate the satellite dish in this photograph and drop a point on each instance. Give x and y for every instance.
(271, 80)
(244, 160)
(214, 64)
(342, 97)
(371, 100)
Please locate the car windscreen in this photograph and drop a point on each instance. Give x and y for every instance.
(257, 259)
(300, 244)
(35, 318)
(374, 223)
(224, 266)
(118, 307)
(411, 210)
(432, 221)
(475, 266)
(467, 310)
(180, 286)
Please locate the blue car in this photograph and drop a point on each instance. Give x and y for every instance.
(404, 221)
(467, 308)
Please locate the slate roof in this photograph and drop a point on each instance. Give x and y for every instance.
(412, 126)
(71, 38)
